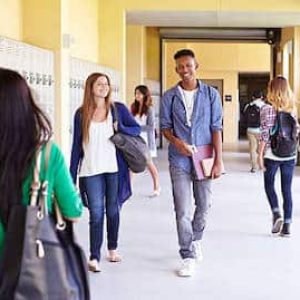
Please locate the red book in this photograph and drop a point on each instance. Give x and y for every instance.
(200, 153)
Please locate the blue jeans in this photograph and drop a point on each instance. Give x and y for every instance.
(189, 228)
(102, 192)
(286, 170)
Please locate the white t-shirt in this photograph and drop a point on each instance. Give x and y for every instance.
(188, 98)
(100, 152)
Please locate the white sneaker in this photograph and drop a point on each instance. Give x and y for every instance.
(198, 250)
(93, 265)
(187, 268)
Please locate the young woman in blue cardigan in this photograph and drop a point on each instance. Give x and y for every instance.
(103, 173)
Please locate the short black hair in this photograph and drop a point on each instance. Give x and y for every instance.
(257, 94)
(184, 52)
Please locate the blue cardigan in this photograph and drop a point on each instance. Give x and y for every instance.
(127, 125)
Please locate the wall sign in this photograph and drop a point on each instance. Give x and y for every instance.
(228, 98)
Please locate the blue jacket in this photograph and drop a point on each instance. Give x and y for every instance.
(206, 118)
(126, 124)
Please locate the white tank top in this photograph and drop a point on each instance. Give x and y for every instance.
(100, 152)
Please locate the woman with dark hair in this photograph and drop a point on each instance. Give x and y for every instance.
(103, 173)
(281, 101)
(24, 129)
(144, 114)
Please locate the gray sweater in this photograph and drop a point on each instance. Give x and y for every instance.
(150, 128)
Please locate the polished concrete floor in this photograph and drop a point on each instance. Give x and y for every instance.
(242, 261)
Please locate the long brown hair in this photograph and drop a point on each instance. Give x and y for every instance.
(280, 95)
(88, 107)
(147, 100)
(23, 127)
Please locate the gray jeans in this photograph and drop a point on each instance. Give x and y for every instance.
(189, 227)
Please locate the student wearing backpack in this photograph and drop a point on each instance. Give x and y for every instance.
(277, 150)
(252, 113)
(190, 116)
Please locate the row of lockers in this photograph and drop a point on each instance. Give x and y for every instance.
(36, 65)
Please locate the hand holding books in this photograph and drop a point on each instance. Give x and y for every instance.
(204, 163)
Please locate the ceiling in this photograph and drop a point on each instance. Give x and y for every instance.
(231, 19)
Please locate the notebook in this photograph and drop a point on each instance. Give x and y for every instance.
(207, 164)
(200, 153)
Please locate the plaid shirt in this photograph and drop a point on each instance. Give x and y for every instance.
(267, 121)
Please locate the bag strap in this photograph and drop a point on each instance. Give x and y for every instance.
(36, 184)
(61, 224)
(115, 117)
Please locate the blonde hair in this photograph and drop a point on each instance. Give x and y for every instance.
(280, 95)
(88, 107)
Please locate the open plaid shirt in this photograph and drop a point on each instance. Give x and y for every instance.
(267, 121)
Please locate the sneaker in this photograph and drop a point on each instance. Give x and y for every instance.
(198, 250)
(93, 266)
(187, 268)
(277, 223)
(285, 230)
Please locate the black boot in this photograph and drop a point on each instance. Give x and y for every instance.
(277, 222)
(286, 230)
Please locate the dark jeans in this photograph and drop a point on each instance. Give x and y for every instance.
(286, 170)
(102, 192)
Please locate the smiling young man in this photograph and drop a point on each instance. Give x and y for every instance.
(190, 116)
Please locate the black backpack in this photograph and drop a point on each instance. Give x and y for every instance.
(252, 114)
(284, 135)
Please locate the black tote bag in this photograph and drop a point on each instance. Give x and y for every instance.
(41, 258)
(134, 148)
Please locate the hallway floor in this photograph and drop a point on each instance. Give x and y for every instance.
(242, 261)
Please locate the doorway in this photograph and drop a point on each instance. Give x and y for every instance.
(248, 83)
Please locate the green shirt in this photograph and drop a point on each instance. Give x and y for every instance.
(59, 182)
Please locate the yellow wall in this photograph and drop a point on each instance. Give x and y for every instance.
(84, 22)
(297, 65)
(267, 5)
(112, 21)
(219, 57)
(11, 19)
(291, 34)
(230, 109)
(221, 61)
(135, 49)
(112, 17)
(153, 54)
(42, 23)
